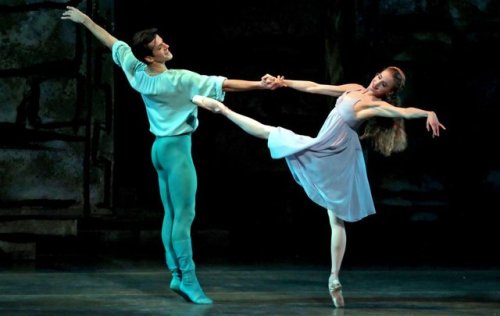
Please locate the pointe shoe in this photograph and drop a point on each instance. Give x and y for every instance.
(335, 289)
(209, 104)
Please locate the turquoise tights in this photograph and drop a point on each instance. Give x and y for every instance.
(177, 180)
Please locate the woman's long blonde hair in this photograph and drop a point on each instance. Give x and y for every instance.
(388, 135)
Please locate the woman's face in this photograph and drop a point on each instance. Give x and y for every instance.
(382, 84)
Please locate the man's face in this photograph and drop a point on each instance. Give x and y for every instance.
(160, 50)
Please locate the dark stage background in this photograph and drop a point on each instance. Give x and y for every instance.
(75, 170)
(437, 202)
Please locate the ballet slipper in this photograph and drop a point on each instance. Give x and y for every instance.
(335, 289)
(175, 283)
(209, 104)
(189, 288)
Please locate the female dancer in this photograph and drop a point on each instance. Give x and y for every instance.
(330, 167)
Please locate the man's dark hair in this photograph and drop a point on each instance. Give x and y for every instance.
(140, 43)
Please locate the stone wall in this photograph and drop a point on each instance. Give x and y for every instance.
(54, 114)
(55, 119)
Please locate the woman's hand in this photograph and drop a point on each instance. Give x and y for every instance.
(433, 124)
(272, 82)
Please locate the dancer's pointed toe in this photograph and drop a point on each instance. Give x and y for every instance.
(198, 100)
(191, 290)
(335, 289)
(208, 104)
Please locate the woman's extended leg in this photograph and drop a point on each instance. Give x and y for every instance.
(249, 125)
(338, 245)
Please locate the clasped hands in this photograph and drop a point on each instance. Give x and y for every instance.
(273, 82)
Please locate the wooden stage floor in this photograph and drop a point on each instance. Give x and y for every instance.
(140, 287)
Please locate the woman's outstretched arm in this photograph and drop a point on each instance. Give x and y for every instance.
(384, 109)
(311, 86)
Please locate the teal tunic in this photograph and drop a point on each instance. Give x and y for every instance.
(167, 96)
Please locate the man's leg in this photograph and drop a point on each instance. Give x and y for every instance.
(182, 186)
(166, 229)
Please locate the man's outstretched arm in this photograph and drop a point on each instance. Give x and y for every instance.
(78, 16)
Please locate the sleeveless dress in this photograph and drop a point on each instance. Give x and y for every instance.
(330, 167)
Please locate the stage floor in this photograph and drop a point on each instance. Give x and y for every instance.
(114, 286)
